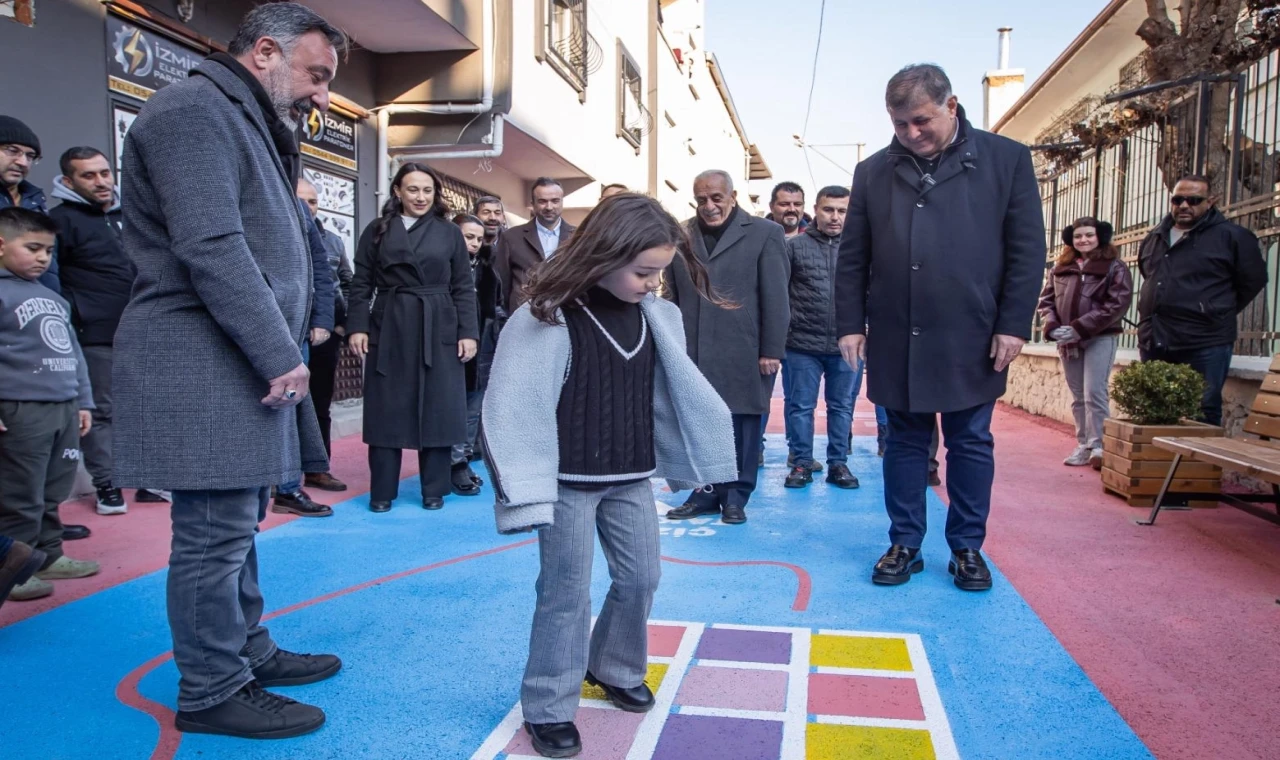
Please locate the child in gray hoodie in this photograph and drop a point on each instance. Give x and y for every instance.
(45, 400)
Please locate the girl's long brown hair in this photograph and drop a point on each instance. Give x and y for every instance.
(1102, 252)
(622, 227)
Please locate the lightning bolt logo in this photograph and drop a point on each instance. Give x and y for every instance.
(134, 53)
(315, 126)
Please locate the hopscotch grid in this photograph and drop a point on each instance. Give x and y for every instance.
(870, 672)
(729, 712)
(849, 720)
(704, 663)
(501, 736)
(797, 716)
(944, 743)
(650, 729)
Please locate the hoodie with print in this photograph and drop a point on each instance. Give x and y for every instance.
(96, 274)
(41, 360)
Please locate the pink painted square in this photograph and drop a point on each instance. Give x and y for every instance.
(864, 697)
(734, 689)
(664, 640)
(606, 735)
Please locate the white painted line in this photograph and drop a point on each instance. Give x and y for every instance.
(845, 720)
(765, 628)
(501, 736)
(944, 744)
(744, 665)
(866, 672)
(866, 634)
(650, 728)
(793, 729)
(726, 712)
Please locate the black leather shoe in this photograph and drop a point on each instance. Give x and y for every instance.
(733, 515)
(636, 700)
(433, 502)
(691, 509)
(840, 477)
(324, 481)
(379, 506)
(252, 713)
(75, 532)
(463, 481)
(799, 477)
(290, 669)
(555, 739)
(300, 504)
(147, 496)
(897, 566)
(970, 570)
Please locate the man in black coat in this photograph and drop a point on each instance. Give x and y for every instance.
(522, 248)
(940, 265)
(739, 349)
(1199, 271)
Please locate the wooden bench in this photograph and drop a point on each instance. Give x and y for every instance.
(1257, 458)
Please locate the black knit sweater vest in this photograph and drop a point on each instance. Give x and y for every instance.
(605, 416)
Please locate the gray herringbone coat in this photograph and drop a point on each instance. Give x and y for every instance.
(222, 299)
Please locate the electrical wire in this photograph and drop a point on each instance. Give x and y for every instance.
(813, 81)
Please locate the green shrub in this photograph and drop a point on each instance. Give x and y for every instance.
(1158, 393)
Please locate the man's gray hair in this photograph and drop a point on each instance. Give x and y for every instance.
(285, 23)
(916, 83)
(718, 174)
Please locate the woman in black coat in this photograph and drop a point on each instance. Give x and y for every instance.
(417, 335)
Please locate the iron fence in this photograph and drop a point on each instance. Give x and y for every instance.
(1125, 184)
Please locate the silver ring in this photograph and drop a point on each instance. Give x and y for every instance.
(290, 394)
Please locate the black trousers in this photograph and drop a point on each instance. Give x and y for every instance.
(384, 472)
(324, 369)
(38, 460)
(746, 439)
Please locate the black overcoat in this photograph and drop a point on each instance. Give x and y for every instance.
(414, 388)
(931, 270)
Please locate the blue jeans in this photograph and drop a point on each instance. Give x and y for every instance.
(786, 419)
(1213, 363)
(296, 485)
(971, 468)
(842, 382)
(215, 605)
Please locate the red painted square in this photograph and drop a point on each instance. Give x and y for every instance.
(864, 697)
(664, 640)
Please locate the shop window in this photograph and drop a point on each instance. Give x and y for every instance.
(634, 120)
(22, 11)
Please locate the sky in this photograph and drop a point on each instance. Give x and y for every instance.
(766, 50)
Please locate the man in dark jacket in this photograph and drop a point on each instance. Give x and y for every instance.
(522, 248)
(97, 278)
(19, 151)
(1199, 271)
(813, 354)
(211, 387)
(940, 268)
(738, 349)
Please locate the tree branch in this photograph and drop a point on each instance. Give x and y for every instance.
(1157, 28)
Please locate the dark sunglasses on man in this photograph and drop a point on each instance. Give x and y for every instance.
(1190, 200)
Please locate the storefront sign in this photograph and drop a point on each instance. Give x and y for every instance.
(141, 61)
(329, 137)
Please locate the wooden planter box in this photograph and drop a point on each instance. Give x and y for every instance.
(1134, 469)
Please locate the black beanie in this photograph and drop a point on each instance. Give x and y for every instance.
(14, 132)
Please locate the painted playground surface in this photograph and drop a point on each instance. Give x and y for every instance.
(767, 641)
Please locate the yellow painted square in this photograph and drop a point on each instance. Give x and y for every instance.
(826, 741)
(653, 677)
(868, 652)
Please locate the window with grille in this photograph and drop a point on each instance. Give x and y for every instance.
(567, 45)
(22, 11)
(631, 110)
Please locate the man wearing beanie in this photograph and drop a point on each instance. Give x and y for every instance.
(19, 151)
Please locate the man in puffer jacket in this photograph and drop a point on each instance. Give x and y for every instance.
(812, 349)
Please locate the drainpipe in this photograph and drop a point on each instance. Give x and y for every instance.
(429, 152)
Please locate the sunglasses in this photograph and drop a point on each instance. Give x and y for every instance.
(1190, 200)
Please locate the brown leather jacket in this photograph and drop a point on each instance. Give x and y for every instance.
(1092, 299)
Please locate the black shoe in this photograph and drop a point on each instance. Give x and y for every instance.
(324, 481)
(799, 477)
(691, 509)
(300, 504)
(636, 700)
(19, 565)
(554, 739)
(934, 480)
(970, 570)
(433, 502)
(290, 669)
(840, 477)
(75, 532)
(897, 566)
(463, 481)
(111, 501)
(147, 496)
(733, 515)
(252, 713)
(379, 506)
(814, 465)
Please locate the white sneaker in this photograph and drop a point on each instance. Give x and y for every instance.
(1078, 458)
(1095, 459)
(111, 501)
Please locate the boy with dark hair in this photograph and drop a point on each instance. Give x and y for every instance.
(45, 400)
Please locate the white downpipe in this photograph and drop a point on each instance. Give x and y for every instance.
(384, 160)
(424, 152)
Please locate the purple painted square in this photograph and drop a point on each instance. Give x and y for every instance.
(734, 689)
(744, 646)
(707, 738)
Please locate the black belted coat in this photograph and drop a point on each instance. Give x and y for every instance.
(418, 283)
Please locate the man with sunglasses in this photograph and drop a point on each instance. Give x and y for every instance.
(1199, 271)
(19, 151)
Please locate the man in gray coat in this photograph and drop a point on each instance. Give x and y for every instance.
(740, 346)
(211, 390)
(938, 275)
